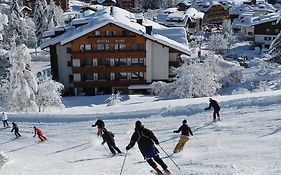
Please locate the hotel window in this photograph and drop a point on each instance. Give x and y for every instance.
(120, 46)
(121, 76)
(88, 76)
(68, 50)
(104, 62)
(87, 63)
(277, 31)
(104, 76)
(113, 33)
(100, 47)
(85, 47)
(137, 61)
(107, 33)
(137, 75)
(267, 30)
(97, 33)
(120, 61)
(69, 63)
(70, 78)
(106, 47)
(124, 33)
(134, 46)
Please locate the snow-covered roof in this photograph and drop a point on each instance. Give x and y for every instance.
(264, 6)
(239, 9)
(207, 4)
(185, 2)
(252, 21)
(126, 20)
(174, 17)
(194, 13)
(25, 7)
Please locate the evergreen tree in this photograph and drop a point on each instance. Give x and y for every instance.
(54, 15)
(22, 83)
(40, 18)
(18, 30)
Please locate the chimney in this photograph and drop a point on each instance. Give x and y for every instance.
(111, 10)
(148, 30)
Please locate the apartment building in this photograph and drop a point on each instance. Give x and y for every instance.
(113, 51)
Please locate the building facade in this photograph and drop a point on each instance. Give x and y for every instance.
(112, 57)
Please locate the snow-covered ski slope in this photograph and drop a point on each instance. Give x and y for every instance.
(247, 141)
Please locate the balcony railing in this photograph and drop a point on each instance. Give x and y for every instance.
(109, 54)
(110, 69)
(109, 83)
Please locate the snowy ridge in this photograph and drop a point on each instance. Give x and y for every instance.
(164, 107)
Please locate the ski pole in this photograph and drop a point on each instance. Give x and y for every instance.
(201, 142)
(169, 157)
(123, 162)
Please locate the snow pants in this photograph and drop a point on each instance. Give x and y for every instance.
(183, 140)
(17, 133)
(112, 148)
(5, 123)
(216, 113)
(158, 160)
(41, 137)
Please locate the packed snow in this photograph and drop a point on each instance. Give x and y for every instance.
(246, 141)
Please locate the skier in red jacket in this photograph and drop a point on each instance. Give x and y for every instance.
(39, 133)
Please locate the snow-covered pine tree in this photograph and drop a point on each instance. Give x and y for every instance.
(18, 30)
(227, 32)
(49, 93)
(54, 15)
(40, 16)
(22, 83)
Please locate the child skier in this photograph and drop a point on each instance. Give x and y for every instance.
(16, 128)
(100, 125)
(214, 104)
(39, 133)
(107, 137)
(5, 119)
(185, 132)
(146, 139)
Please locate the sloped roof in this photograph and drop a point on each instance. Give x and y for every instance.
(123, 19)
(252, 21)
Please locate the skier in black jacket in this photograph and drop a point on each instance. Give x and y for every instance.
(100, 125)
(185, 132)
(107, 137)
(146, 139)
(214, 104)
(16, 128)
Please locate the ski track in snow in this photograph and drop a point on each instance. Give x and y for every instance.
(247, 141)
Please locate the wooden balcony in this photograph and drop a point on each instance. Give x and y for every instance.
(109, 54)
(108, 69)
(109, 83)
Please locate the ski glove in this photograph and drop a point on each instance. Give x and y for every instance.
(174, 131)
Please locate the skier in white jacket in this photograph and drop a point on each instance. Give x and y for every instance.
(5, 119)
